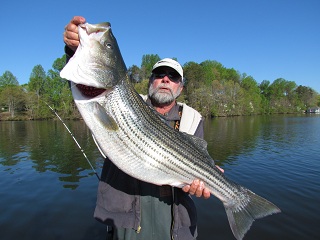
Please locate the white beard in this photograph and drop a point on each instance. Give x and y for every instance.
(159, 97)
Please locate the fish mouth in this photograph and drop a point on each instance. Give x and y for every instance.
(89, 91)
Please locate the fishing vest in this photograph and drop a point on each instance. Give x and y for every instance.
(190, 118)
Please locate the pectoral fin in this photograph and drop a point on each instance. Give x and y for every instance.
(106, 120)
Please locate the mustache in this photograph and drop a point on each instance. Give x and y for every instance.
(163, 85)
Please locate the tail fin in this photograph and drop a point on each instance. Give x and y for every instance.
(241, 215)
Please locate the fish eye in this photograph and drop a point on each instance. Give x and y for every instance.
(108, 45)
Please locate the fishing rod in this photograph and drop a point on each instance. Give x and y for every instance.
(74, 140)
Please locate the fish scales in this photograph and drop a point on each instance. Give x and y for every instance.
(152, 126)
(149, 139)
(137, 140)
(194, 164)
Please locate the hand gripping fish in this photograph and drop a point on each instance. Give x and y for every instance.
(131, 134)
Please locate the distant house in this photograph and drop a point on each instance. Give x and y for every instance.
(313, 110)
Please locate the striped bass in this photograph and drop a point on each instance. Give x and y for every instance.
(137, 140)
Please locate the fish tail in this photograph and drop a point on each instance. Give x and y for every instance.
(242, 215)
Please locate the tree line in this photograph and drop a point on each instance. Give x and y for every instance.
(211, 88)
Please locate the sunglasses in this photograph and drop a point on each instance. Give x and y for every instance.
(173, 76)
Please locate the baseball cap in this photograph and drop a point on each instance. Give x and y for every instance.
(168, 62)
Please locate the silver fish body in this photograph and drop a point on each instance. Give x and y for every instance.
(136, 139)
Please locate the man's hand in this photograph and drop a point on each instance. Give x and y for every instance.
(70, 35)
(198, 189)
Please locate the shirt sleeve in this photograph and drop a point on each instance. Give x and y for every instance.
(69, 53)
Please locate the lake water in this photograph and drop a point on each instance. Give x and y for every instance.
(48, 191)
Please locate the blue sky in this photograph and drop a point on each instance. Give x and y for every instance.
(266, 39)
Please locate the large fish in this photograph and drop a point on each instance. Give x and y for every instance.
(137, 140)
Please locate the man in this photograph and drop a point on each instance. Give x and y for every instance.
(133, 209)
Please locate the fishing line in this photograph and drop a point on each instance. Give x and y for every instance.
(74, 140)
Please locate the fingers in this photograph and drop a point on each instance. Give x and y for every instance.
(221, 170)
(186, 188)
(76, 20)
(71, 39)
(197, 188)
(206, 193)
(70, 35)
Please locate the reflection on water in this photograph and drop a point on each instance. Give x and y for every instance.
(231, 136)
(48, 190)
(278, 158)
(49, 146)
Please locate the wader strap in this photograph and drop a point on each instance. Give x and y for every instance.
(177, 122)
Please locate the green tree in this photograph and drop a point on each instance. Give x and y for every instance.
(142, 87)
(148, 60)
(265, 96)
(251, 95)
(135, 74)
(37, 80)
(199, 100)
(194, 76)
(53, 87)
(36, 84)
(59, 63)
(289, 88)
(12, 97)
(216, 71)
(57, 90)
(210, 87)
(67, 106)
(31, 105)
(277, 96)
(231, 74)
(208, 68)
(232, 101)
(307, 96)
(282, 96)
(265, 88)
(7, 78)
(277, 88)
